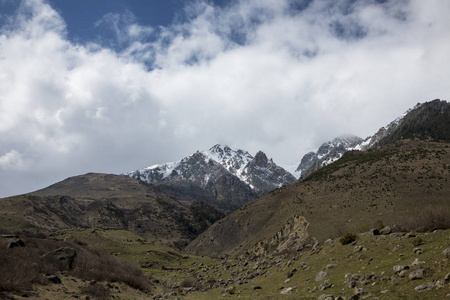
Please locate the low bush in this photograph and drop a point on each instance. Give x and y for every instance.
(21, 267)
(347, 238)
(427, 221)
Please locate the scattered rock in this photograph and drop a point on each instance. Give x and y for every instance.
(424, 287)
(396, 248)
(321, 275)
(288, 290)
(325, 285)
(330, 266)
(15, 242)
(417, 262)
(54, 279)
(417, 250)
(257, 288)
(447, 253)
(417, 274)
(231, 290)
(399, 268)
(386, 230)
(402, 273)
(440, 284)
(291, 273)
(326, 297)
(357, 249)
(374, 232)
(410, 235)
(447, 277)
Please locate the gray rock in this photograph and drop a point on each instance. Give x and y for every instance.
(15, 242)
(402, 273)
(424, 287)
(291, 273)
(417, 250)
(386, 230)
(410, 235)
(326, 297)
(357, 249)
(447, 277)
(440, 284)
(321, 275)
(399, 268)
(447, 253)
(330, 266)
(417, 274)
(54, 279)
(325, 285)
(374, 232)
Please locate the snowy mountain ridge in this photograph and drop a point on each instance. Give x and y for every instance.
(218, 171)
(332, 150)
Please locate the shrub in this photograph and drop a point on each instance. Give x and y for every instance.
(417, 242)
(347, 238)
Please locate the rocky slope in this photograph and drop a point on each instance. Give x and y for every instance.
(222, 176)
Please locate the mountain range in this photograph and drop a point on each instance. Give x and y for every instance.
(224, 177)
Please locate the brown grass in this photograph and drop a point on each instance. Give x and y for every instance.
(427, 221)
(23, 267)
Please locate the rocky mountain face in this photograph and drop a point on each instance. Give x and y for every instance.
(326, 154)
(225, 177)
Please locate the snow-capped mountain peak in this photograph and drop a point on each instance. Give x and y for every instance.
(234, 160)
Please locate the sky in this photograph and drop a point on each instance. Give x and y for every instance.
(117, 85)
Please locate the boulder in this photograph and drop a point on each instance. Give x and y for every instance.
(321, 275)
(63, 257)
(399, 268)
(326, 297)
(386, 230)
(447, 253)
(417, 274)
(54, 279)
(424, 287)
(15, 242)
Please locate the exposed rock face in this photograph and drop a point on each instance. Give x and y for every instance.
(222, 176)
(15, 242)
(291, 237)
(63, 257)
(327, 153)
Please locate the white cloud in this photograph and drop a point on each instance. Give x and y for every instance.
(257, 75)
(11, 160)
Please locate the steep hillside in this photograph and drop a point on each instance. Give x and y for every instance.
(109, 201)
(224, 177)
(354, 193)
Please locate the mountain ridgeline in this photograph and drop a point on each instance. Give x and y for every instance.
(224, 177)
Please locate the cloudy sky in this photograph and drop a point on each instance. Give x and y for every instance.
(116, 85)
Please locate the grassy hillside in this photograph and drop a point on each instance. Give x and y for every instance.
(356, 193)
(109, 201)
